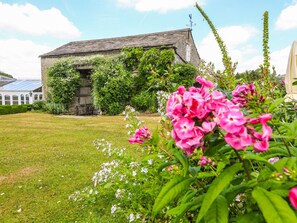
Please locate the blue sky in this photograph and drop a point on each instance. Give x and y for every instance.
(29, 28)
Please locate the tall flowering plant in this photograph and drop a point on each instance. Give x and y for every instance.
(230, 165)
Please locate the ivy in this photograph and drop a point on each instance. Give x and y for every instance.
(112, 85)
(63, 82)
(134, 77)
(131, 57)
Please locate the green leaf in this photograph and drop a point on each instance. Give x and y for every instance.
(170, 191)
(183, 159)
(232, 191)
(275, 104)
(164, 165)
(155, 137)
(213, 147)
(216, 188)
(250, 217)
(273, 207)
(286, 162)
(180, 210)
(252, 156)
(218, 211)
(276, 149)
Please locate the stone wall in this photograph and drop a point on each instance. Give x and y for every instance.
(181, 49)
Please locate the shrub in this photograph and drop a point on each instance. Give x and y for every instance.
(144, 101)
(54, 108)
(38, 105)
(184, 74)
(13, 109)
(112, 86)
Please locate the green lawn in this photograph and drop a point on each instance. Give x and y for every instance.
(45, 158)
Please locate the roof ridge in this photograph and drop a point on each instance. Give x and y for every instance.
(137, 35)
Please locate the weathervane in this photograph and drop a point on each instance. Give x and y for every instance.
(191, 22)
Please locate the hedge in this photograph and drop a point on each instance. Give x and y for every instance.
(13, 109)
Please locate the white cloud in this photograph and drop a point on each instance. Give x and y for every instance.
(236, 40)
(159, 5)
(287, 18)
(20, 58)
(279, 59)
(29, 19)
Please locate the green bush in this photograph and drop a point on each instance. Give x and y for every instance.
(54, 108)
(112, 86)
(144, 101)
(63, 82)
(38, 105)
(13, 109)
(184, 74)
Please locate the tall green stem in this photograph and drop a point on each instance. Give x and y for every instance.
(229, 67)
(246, 170)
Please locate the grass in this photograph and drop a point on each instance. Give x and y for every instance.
(45, 158)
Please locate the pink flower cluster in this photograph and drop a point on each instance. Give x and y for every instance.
(293, 197)
(196, 112)
(204, 161)
(241, 93)
(140, 136)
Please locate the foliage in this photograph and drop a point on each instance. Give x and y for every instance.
(155, 70)
(249, 76)
(5, 74)
(183, 74)
(112, 85)
(131, 57)
(144, 101)
(13, 109)
(54, 108)
(228, 155)
(128, 184)
(63, 82)
(38, 105)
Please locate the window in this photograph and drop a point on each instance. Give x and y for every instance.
(27, 99)
(15, 100)
(22, 99)
(0, 99)
(188, 53)
(7, 99)
(40, 97)
(36, 97)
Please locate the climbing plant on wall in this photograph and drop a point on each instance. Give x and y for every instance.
(133, 77)
(112, 85)
(63, 82)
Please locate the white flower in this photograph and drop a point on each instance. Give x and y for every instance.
(150, 161)
(133, 164)
(160, 156)
(131, 217)
(134, 173)
(120, 193)
(273, 160)
(240, 198)
(113, 209)
(144, 170)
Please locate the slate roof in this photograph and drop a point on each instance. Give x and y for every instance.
(168, 38)
(22, 85)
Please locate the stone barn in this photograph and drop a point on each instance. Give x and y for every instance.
(181, 41)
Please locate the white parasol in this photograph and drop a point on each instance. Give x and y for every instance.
(291, 73)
